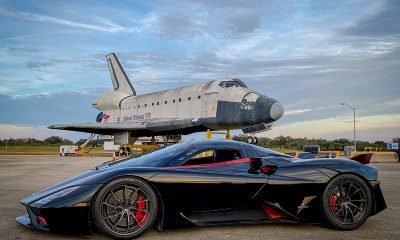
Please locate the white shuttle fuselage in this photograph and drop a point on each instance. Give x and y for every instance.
(218, 104)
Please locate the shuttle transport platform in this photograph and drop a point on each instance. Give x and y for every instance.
(23, 175)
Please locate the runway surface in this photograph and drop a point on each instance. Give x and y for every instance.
(23, 175)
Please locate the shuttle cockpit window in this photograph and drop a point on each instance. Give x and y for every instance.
(229, 84)
(234, 83)
(239, 83)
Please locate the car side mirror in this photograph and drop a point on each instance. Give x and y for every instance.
(268, 169)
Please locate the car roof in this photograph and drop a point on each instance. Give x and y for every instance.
(216, 143)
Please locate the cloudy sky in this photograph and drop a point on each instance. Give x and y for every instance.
(309, 55)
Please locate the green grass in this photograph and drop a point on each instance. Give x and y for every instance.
(38, 149)
(44, 148)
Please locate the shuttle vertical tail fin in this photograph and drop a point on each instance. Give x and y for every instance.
(119, 78)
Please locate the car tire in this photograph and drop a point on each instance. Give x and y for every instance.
(125, 208)
(346, 202)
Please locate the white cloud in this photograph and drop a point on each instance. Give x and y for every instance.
(144, 75)
(242, 47)
(108, 27)
(295, 112)
(394, 102)
(4, 89)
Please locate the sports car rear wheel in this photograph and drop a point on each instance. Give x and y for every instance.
(125, 208)
(346, 202)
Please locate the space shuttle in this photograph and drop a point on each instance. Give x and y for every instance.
(224, 104)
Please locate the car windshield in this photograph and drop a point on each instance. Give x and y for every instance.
(157, 158)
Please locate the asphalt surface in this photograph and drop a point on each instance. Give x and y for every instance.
(23, 175)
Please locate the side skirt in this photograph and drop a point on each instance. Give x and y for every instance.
(267, 212)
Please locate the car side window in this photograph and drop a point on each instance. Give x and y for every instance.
(214, 156)
(227, 155)
(205, 157)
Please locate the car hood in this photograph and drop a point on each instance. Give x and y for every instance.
(91, 177)
(59, 186)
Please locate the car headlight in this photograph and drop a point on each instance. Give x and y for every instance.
(56, 195)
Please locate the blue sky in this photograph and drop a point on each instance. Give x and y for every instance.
(309, 55)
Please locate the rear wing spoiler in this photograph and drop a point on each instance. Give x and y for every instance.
(364, 158)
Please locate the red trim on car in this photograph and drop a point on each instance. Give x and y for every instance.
(237, 161)
(271, 212)
(42, 220)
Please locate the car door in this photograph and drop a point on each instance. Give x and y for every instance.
(215, 183)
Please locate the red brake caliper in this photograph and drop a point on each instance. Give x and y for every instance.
(141, 216)
(334, 201)
(333, 206)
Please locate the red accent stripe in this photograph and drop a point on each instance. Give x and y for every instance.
(42, 220)
(237, 161)
(271, 212)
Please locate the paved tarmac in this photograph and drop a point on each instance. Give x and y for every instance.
(23, 175)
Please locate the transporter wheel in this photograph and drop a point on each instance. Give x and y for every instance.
(250, 140)
(125, 208)
(346, 202)
(122, 151)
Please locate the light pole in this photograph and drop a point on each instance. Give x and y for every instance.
(354, 114)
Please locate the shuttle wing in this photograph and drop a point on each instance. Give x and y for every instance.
(142, 128)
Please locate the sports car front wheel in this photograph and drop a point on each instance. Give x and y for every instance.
(346, 202)
(125, 208)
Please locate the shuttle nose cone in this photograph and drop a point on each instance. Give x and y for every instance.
(267, 110)
(276, 111)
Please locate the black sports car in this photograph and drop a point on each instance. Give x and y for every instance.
(211, 182)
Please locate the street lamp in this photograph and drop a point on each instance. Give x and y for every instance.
(354, 111)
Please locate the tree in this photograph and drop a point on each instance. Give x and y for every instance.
(91, 143)
(280, 141)
(396, 139)
(32, 141)
(67, 142)
(54, 140)
(240, 137)
(288, 142)
(80, 141)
